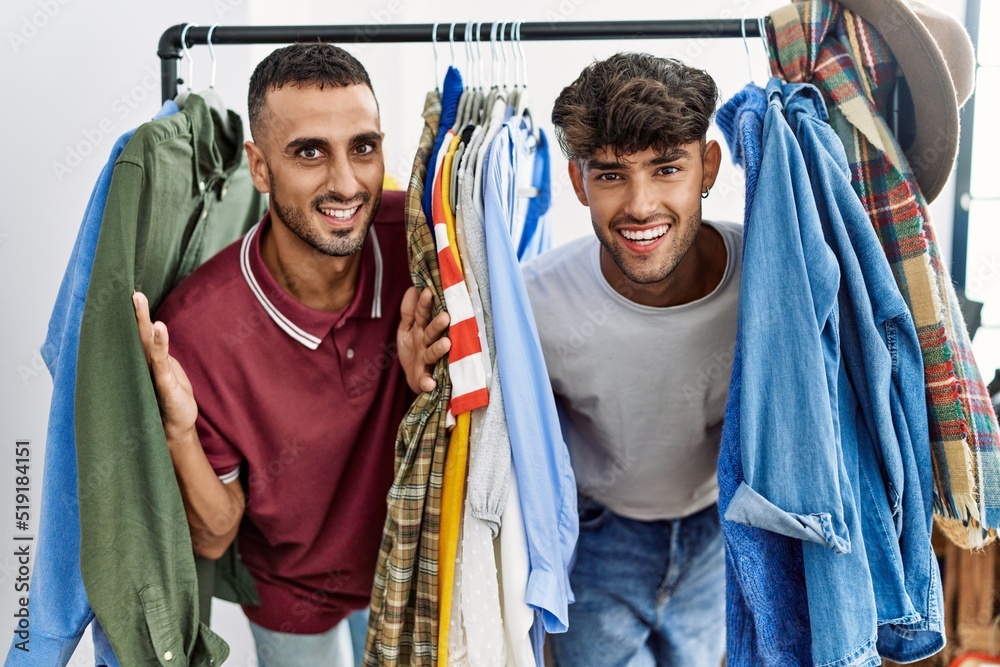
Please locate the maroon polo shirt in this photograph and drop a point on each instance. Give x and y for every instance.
(302, 406)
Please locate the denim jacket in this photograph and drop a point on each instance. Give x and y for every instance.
(767, 617)
(882, 356)
(831, 441)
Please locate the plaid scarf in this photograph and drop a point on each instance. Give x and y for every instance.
(403, 626)
(842, 55)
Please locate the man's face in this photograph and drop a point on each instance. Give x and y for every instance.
(646, 207)
(320, 158)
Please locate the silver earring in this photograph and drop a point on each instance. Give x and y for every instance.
(704, 195)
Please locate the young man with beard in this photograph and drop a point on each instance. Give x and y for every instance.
(638, 327)
(279, 387)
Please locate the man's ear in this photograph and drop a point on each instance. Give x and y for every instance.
(576, 178)
(258, 167)
(711, 160)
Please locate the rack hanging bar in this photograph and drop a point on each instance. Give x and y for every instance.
(169, 49)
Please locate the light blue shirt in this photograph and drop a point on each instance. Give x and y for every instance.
(541, 461)
(58, 606)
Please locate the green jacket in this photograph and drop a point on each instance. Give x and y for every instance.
(180, 192)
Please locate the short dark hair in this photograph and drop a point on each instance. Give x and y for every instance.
(304, 64)
(632, 102)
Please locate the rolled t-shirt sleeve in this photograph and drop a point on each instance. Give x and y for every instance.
(223, 457)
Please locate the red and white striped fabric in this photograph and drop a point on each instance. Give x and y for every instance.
(465, 359)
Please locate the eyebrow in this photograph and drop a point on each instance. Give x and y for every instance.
(366, 136)
(299, 143)
(672, 155)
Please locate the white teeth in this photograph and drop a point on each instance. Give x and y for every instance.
(340, 214)
(645, 234)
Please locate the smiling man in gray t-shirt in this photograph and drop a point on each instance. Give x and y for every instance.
(638, 327)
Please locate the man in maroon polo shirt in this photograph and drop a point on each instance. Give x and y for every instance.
(280, 390)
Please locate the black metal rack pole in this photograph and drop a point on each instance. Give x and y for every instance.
(169, 49)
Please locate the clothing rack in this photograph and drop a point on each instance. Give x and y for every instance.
(170, 47)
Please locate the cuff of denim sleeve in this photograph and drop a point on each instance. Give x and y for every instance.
(752, 509)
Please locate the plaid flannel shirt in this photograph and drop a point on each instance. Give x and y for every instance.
(402, 630)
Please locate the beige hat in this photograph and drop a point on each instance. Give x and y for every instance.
(935, 54)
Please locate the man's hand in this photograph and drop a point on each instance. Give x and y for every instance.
(420, 340)
(173, 389)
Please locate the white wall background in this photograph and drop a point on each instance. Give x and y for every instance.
(77, 74)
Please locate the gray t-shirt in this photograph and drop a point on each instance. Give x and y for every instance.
(641, 390)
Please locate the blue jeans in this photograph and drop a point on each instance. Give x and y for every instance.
(282, 649)
(647, 592)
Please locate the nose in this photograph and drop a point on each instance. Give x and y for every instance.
(342, 179)
(642, 201)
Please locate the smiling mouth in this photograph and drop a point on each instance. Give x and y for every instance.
(340, 215)
(644, 237)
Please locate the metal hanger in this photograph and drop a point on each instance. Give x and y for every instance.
(481, 95)
(746, 47)
(515, 91)
(211, 52)
(469, 111)
(183, 95)
(463, 100)
(521, 108)
(434, 43)
(524, 60)
(503, 53)
(494, 58)
(762, 29)
(494, 93)
(211, 96)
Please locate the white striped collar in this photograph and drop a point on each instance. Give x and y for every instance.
(267, 291)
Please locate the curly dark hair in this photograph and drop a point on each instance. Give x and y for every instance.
(631, 102)
(303, 64)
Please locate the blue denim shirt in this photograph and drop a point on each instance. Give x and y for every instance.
(767, 617)
(819, 465)
(58, 605)
(541, 461)
(882, 358)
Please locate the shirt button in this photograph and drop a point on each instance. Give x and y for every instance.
(204, 214)
(201, 186)
(168, 655)
(224, 191)
(350, 353)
